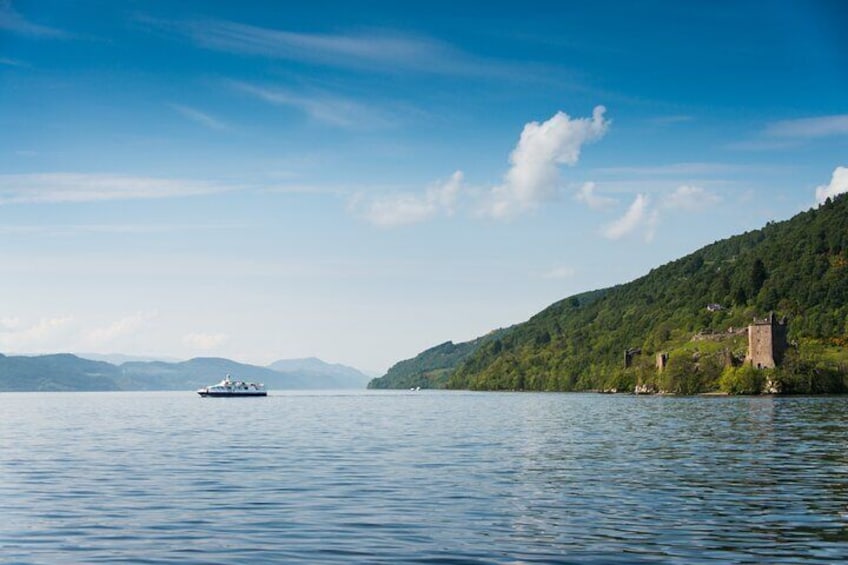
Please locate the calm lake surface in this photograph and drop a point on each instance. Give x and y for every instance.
(427, 477)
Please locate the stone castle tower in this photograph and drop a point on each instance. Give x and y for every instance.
(767, 342)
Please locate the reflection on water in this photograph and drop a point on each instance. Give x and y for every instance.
(389, 477)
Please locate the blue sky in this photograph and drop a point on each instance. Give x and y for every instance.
(360, 181)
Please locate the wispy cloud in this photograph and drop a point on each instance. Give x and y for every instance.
(691, 198)
(534, 174)
(9, 323)
(671, 120)
(100, 337)
(12, 62)
(559, 273)
(586, 194)
(13, 21)
(637, 216)
(41, 336)
(88, 187)
(372, 50)
(809, 128)
(786, 134)
(202, 118)
(205, 341)
(838, 185)
(677, 169)
(408, 208)
(320, 106)
(67, 230)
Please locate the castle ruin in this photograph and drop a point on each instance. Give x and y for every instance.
(767, 342)
(629, 354)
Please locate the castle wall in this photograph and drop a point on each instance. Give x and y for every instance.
(760, 353)
(767, 343)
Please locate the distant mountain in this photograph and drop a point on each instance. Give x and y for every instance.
(61, 372)
(66, 372)
(201, 371)
(330, 375)
(119, 358)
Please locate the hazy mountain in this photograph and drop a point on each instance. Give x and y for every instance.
(329, 375)
(66, 372)
(119, 358)
(60, 372)
(202, 371)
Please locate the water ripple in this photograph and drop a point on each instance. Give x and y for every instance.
(422, 478)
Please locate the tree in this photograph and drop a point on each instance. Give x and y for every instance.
(758, 276)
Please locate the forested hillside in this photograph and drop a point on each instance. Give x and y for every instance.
(797, 268)
(430, 368)
(433, 367)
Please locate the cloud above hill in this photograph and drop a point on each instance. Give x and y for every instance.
(407, 208)
(534, 173)
(838, 185)
(638, 215)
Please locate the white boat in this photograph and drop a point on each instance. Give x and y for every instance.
(229, 387)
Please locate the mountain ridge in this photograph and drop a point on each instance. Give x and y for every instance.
(69, 372)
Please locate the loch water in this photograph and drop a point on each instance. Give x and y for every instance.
(422, 477)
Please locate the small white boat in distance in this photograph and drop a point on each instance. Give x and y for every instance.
(229, 387)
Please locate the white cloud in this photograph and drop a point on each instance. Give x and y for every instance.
(204, 341)
(124, 326)
(637, 215)
(838, 185)
(558, 273)
(199, 117)
(586, 194)
(534, 174)
(404, 209)
(88, 187)
(39, 337)
(9, 323)
(808, 128)
(690, 198)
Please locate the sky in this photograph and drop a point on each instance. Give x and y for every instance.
(359, 181)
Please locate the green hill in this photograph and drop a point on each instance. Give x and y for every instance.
(797, 268)
(433, 367)
(428, 369)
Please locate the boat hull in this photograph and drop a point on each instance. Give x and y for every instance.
(216, 394)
